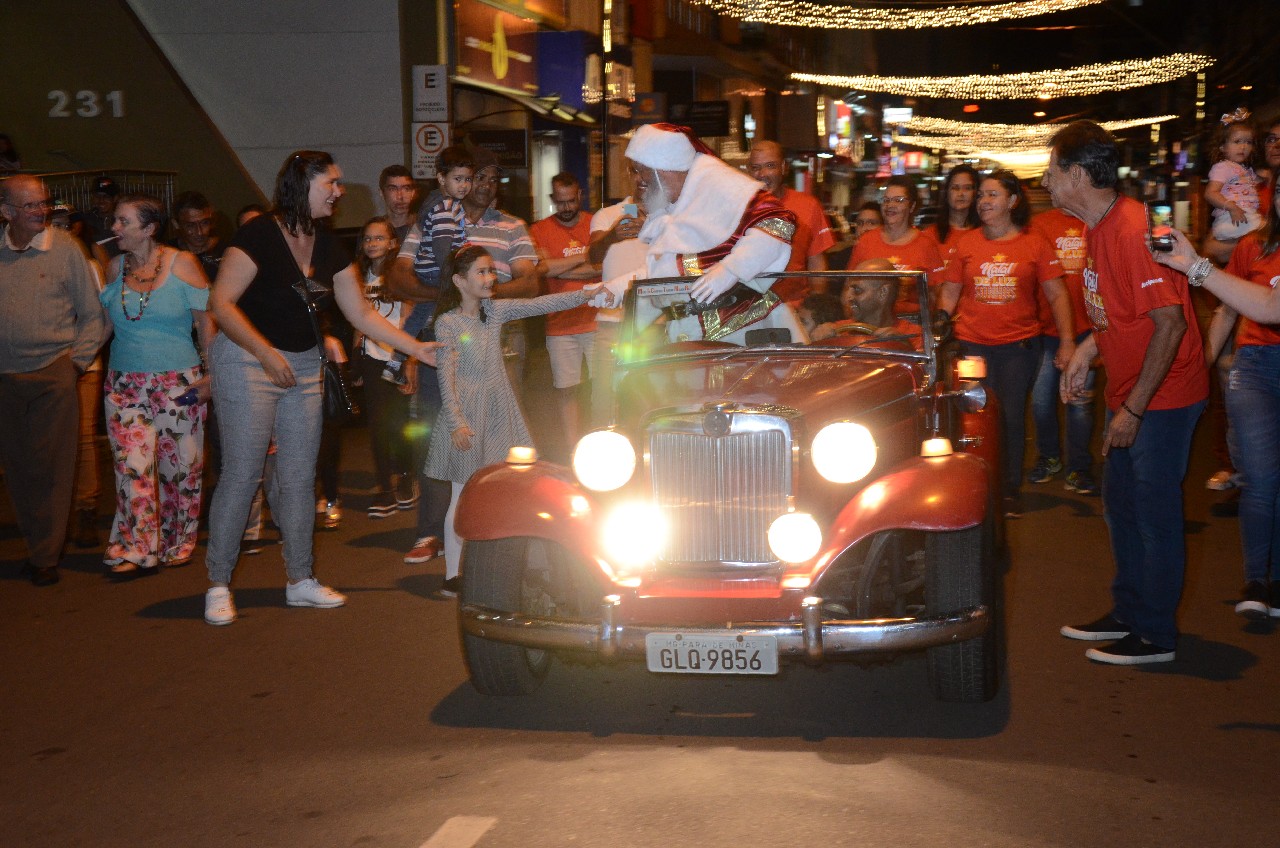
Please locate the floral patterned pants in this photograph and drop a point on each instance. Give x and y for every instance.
(157, 447)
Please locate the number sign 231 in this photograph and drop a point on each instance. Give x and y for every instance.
(86, 104)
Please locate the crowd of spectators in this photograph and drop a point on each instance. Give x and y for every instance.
(213, 332)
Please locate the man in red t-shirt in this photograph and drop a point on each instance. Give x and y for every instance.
(562, 241)
(812, 238)
(1157, 384)
(1066, 235)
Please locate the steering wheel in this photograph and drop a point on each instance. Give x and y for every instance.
(857, 328)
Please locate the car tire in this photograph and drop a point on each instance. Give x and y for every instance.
(494, 575)
(961, 573)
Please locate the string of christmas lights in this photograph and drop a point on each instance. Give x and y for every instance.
(968, 144)
(842, 16)
(1004, 132)
(1024, 144)
(1045, 85)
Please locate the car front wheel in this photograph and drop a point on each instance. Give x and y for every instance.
(960, 574)
(508, 575)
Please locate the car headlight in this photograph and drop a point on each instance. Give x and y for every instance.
(634, 534)
(844, 452)
(795, 537)
(604, 460)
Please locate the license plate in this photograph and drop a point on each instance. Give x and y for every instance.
(711, 653)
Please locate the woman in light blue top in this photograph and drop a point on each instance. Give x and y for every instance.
(156, 392)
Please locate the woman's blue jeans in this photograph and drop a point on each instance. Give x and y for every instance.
(253, 410)
(1011, 370)
(1253, 408)
(1079, 413)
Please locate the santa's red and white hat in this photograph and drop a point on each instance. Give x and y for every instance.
(665, 147)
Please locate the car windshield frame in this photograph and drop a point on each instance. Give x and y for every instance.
(645, 299)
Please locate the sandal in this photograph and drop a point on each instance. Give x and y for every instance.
(120, 567)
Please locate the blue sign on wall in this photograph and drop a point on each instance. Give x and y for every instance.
(562, 66)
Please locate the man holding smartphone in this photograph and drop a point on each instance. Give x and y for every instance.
(615, 250)
(1145, 329)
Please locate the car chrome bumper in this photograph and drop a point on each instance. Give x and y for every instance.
(811, 639)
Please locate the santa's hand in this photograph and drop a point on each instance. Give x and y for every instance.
(712, 284)
(609, 295)
(597, 295)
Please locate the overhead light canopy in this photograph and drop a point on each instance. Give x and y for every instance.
(856, 16)
(1045, 85)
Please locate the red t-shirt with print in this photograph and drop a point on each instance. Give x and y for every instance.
(1065, 234)
(1248, 263)
(947, 246)
(920, 254)
(812, 238)
(1122, 283)
(998, 282)
(556, 241)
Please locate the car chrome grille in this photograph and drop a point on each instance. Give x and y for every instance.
(720, 493)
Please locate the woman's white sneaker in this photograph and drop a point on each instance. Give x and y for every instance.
(309, 593)
(219, 608)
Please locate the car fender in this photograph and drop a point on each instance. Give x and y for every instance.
(924, 493)
(541, 499)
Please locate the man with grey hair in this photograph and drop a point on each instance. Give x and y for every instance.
(51, 326)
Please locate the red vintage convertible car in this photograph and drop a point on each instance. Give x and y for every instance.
(749, 506)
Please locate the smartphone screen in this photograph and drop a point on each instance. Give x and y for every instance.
(1160, 225)
(630, 210)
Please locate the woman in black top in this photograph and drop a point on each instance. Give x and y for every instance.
(266, 371)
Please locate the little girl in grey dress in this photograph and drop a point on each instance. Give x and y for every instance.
(480, 419)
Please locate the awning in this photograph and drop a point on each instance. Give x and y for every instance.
(546, 105)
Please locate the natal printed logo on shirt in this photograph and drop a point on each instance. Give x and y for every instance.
(998, 285)
(1070, 249)
(575, 248)
(1093, 305)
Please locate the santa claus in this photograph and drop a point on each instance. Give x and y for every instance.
(709, 220)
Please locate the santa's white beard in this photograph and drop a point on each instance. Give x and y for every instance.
(655, 200)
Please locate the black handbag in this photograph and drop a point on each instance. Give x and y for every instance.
(339, 401)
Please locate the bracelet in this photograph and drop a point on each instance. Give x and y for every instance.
(1199, 271)
(1125, 406)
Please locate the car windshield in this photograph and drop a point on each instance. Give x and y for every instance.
(651, 306)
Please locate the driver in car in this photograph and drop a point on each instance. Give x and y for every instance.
(708, 220)
(869, 303)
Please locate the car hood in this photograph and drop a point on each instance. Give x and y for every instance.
(820, 386)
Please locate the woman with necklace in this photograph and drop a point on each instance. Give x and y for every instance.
(990, 286)
(155, 392)
(266, 371)
(898, 241)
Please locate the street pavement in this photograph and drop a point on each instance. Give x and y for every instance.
(125, 720)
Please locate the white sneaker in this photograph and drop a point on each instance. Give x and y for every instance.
(309, 593)
(219, 609)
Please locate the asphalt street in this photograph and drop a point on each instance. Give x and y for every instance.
(125, 720)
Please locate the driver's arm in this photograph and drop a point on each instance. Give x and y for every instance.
(949, 296)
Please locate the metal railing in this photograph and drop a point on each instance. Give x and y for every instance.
(76, 187)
